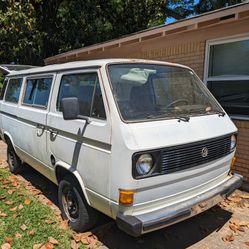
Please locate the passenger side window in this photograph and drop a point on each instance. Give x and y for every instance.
(37, 92)
(13, 90)
(86, 88)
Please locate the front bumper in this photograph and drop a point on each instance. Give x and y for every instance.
(144, 223)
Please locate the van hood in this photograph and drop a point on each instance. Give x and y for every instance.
(164, 133)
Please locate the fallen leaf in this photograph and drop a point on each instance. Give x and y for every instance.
(2, 214)
(49, 203)
(53, 241)
(13, 178)
(14, 216)
(9, 202)
(241, 229)
(85, 240)
(228, 238)
(86, 234)
(18, 235)
(49, 221)
(74, 245)
(20, 206)
(13, 209)
(233, 227)
(8, 239)
(5, 182)
(37, 246)
(47, 246)
(64, 224)
(14, 184)
(27, 202)
(23, 227)
(20, 194)
(6, 246)
(5, 187)
(31, 233)
(36, 191)
(2, 197)
(76, 237)
(243, 223)
(247, 243)
(11, 191)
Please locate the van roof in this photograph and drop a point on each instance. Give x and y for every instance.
(7, 68)
(86, 64)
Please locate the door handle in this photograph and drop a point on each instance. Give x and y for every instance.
(53, 132)
(39, 126)
(40, 130)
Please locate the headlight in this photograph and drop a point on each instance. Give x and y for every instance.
(233, 142)
(144, 164)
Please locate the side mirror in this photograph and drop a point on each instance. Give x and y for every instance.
(71, 109)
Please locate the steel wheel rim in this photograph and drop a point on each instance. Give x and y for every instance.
(70, 204)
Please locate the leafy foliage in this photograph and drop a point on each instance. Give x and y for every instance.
(31, 30)
(209, 5)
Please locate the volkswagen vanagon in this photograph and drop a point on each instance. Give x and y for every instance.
(143, 142)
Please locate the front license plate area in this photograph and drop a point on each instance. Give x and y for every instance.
(205, 205)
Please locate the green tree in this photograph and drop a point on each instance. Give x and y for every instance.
(31, 30)
(209, 5)
(20, 40)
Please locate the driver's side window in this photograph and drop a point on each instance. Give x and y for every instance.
(85, 87)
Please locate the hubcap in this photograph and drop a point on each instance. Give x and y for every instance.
(70, 204)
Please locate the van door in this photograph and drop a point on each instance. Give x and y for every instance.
(32, 118)
(84, 148)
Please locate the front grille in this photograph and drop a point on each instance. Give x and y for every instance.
(189, 155)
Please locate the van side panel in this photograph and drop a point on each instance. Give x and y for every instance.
(86, 148)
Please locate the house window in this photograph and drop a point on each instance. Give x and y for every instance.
(227, 74)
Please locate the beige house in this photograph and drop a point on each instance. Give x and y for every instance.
(215, 45)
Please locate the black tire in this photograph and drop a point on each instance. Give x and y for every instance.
(74, 207)
(14, 162)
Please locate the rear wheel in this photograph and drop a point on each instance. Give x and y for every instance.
(74, 207)
(14, 162)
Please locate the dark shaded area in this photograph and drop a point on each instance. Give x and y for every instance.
(181, 235)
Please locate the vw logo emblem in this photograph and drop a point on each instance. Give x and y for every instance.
(204, 152)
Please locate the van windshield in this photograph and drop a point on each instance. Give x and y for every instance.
(148, 91)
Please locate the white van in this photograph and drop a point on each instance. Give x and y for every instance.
(143, 142)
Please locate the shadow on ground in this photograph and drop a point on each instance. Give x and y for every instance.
(181, 235)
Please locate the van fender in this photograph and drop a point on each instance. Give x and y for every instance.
(65, 166)
(10, 138)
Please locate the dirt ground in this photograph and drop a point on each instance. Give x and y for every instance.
(224, 226)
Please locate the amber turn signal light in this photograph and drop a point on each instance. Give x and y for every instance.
(232, 165)
(126, 197)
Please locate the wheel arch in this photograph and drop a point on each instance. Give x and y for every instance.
(9, 140)
(62, 169)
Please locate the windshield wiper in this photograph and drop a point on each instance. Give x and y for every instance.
(220, 113)
(182, 118)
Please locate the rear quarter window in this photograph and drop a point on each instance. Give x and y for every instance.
(13, 90)
(3, 88)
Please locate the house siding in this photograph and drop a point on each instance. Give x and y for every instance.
(184, 45)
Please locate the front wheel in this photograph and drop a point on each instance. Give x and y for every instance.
(74, 207)
(14, 162)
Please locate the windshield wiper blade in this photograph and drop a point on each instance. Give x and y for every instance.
(221, 113)
(182, 118)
